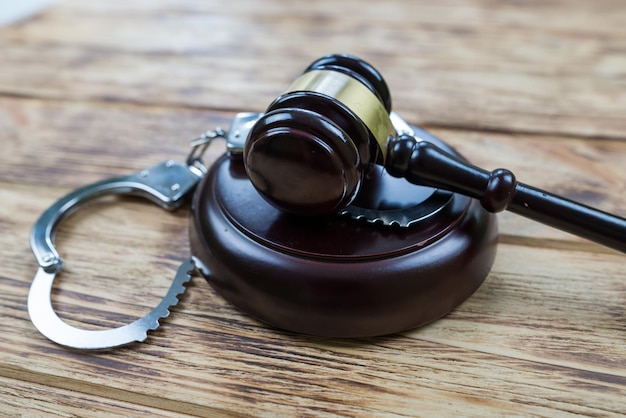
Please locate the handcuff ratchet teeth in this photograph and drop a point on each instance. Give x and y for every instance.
(167, 184)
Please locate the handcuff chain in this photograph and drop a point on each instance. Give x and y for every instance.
(200, 145)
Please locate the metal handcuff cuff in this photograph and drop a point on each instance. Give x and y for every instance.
(168, 184)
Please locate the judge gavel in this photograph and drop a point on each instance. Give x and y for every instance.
(310, 152)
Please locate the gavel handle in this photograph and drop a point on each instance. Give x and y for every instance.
(421, 162)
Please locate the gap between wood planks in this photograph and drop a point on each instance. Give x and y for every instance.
(554, 244)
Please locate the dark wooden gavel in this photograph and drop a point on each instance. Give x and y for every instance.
(310, 151)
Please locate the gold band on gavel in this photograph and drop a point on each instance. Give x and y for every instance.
(355, 96)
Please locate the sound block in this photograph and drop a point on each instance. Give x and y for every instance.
(337, 276)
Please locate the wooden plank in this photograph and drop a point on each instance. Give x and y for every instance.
(72, 144)
(68, 145)
(20, 397)
(497, 66)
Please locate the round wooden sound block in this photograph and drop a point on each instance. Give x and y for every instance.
(338, 276)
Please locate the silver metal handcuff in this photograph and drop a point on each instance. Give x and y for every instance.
(167, 184)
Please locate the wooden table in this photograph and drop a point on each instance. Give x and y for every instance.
(90, 90)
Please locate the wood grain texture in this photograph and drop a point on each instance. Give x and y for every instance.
(21, 398)
(96, 89)
(552, 67)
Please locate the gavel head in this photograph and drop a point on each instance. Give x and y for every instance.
(310, 151)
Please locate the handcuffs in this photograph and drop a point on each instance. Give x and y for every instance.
(168, 184)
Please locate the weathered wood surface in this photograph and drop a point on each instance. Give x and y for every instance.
(544, 66)
(95, 89)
